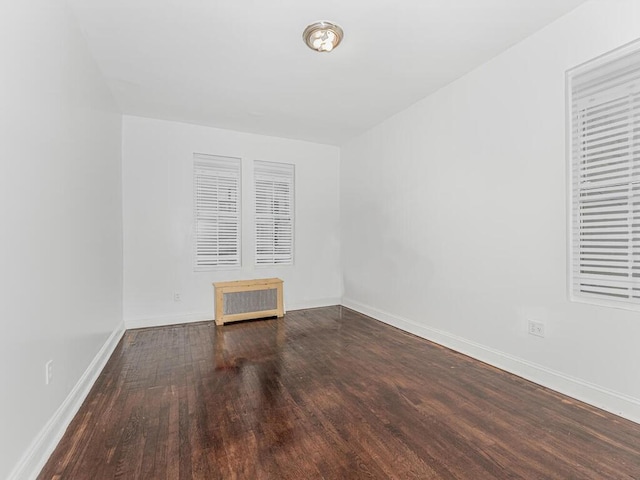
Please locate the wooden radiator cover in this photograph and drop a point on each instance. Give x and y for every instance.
(248, 299)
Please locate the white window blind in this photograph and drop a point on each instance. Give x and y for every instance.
(217, 211)
(274, 204)
(605, 178)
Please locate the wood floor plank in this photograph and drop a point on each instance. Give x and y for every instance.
(327, 393)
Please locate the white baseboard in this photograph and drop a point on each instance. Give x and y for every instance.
(46, 441)
(322, 302)
(144, 322)
(609, 400)
(160, 321)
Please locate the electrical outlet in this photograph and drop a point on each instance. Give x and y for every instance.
(536, 328)
(48, 372)
(177, 297)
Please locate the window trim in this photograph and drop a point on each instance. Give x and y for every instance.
(286, 170)
(590, 66)
(233, 164)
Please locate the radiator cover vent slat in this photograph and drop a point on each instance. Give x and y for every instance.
(252, 301)
(248, 299)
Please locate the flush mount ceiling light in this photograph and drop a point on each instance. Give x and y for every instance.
(322, 36)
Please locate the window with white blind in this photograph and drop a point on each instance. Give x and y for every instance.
(604, 106)
(274, 207)
(216, 187)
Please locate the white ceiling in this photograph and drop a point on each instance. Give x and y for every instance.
(242, 64)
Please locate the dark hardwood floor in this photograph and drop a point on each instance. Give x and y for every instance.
(327, 393)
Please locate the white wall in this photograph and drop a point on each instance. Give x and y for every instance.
(454, 222)
(60, 205)
(158, 220)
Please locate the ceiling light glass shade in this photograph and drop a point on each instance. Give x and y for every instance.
(322, 36)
